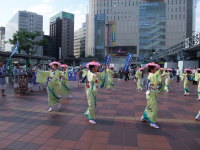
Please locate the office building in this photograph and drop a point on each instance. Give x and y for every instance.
(62, 33)
(79, 41)
(140, 27)
(24, 20)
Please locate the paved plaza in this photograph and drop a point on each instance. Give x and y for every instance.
(26, 124)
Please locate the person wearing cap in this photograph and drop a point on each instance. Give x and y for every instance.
(64, 89)
(153, 86)
(3, 78)
(53, 86)
(166, 74)
(91, 87)
(186, 77)
(139, 75)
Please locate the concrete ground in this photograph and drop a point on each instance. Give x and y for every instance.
(25, 122)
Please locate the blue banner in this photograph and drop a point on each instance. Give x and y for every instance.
(128, 62)
(72, 76)
(13, 52)
(108, 60)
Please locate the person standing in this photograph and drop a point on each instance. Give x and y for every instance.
(79, 75)
(120, 74)
(153, 87)
(91, 90)
(3, 78)
(30, 74)
(53, 87)
(65, 90)
(17, 71)
(178, 75)
(126, 74)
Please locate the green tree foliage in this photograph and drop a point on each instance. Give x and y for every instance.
(29, 42)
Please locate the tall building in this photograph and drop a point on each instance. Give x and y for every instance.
(2, 38)
(49, 47)
(112, 27)
(79, 42)
(24, 20)
(62, 33)
(137, 26)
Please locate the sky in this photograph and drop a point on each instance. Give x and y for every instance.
(49, 8)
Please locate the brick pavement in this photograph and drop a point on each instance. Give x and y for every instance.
(26, 124)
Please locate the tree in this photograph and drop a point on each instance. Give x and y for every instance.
(29, 42)
(90, 56)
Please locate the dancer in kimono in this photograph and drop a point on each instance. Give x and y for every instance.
(104, 77)
(167, 75)
(91, 90)
(110, 73)
(65, 90)
(53, 86)
(3, 78)
(197, 79)
(139, 75)
(153, 87)
(187, 77)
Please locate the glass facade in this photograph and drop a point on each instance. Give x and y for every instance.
(100, 35)
(152, 24)
(62, 15)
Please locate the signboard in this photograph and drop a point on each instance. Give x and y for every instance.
(72, 76)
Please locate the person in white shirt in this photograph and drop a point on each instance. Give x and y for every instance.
(177, 75)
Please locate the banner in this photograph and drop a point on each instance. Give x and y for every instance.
(13, 52)
(72, 76)
(108, 60)
(128, 62)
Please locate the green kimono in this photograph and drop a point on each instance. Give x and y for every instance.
(153, 87)
(138, 75)
(197, 78)
(103, 79)
(186, 78)
(53, 85)
(64, 89)
(110, 79)
(166, 75)
(91, 91)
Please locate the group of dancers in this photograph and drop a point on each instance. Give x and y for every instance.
(158, 81)
(101, 76)
(95, 77)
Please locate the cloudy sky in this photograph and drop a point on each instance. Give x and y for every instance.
(48, 8)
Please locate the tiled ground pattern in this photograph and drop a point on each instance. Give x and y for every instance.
(26, 124)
